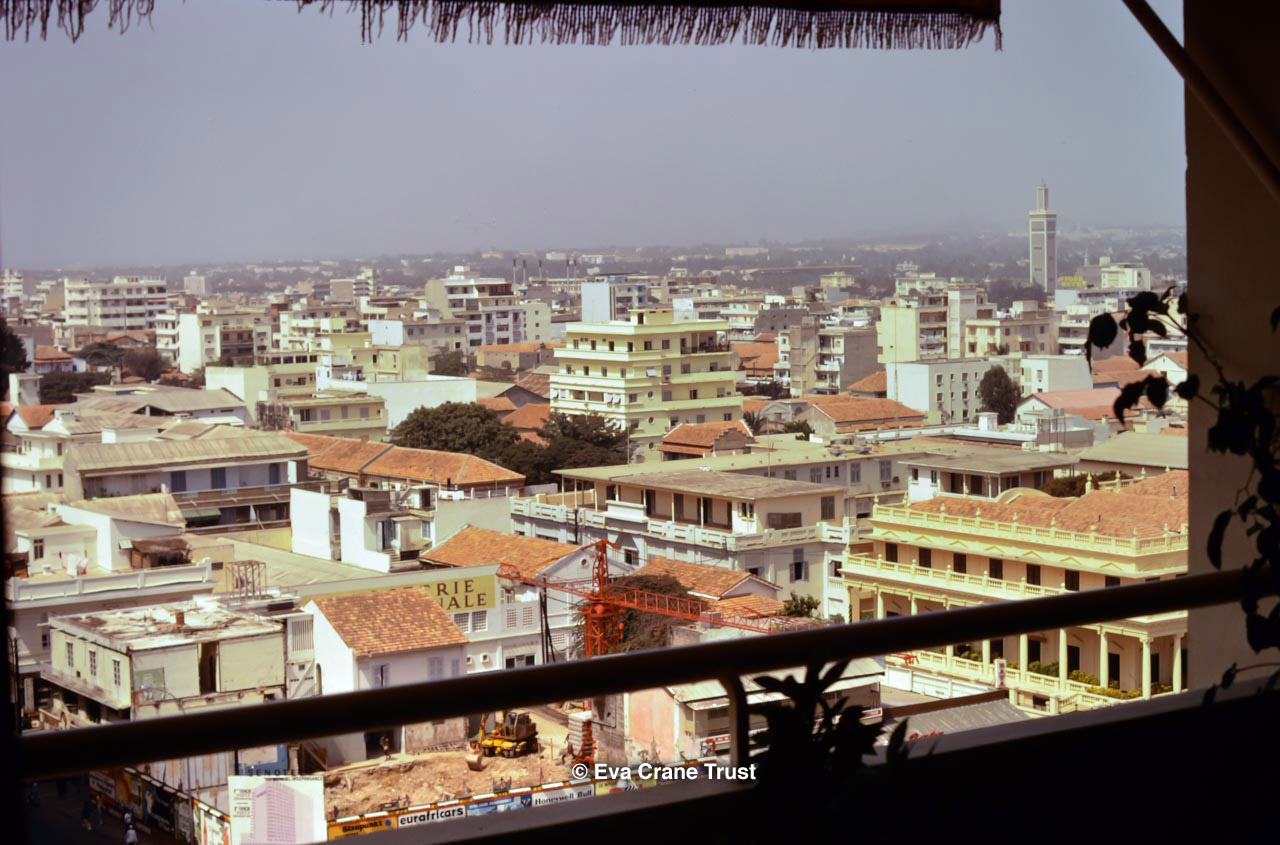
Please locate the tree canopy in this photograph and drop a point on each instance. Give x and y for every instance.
(772, 388)
(456, 427)
(797, 605)
(642, 630)
(1069, 486)
(60, 388)
(145, 362)
(452, 363)
(999, 393)
(13, 355)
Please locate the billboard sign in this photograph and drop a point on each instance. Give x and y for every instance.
(276, 809)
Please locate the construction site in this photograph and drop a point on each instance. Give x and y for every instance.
(407, 779)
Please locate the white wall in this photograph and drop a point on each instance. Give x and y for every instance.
(404, 397)
(309, 513)
(358, 537)
(108, 553)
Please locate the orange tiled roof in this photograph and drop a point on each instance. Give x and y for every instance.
(37, 416)
(845, 410)
(748, 606)
(874, 383)
(1179, 358)
(50, 353)
(390, 621)
(704, 436)
(1174, 483)
(475, 546)
(765, 337)
(1176, 431)
(539, 383)
(1114, 364)
(445, 468)
(1129, 512)
(700, 578)
(530, 417)
(1121, 377)
(757, 356)
(755, 406)
(501, 405)
(345, 455)
(315, 444)
(533, 437)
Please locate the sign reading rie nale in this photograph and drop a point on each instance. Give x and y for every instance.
(457, 588)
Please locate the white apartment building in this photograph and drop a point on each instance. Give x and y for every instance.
(1025, 328)
(1044, 373)
(647, 374)
(492, 311)
(929, 324)
(823, 360)
(946, 390)
(790, 532)
(124, 304)
(191, 340)
(612, 298)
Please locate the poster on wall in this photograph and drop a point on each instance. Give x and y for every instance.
(183, 819)
(501, 804)
(276, 809)
(157, 806)
(212, 827)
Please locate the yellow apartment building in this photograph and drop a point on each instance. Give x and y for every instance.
(959, 551)
(648, 374)
(358, 416)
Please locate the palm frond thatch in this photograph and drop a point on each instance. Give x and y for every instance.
(888, 24)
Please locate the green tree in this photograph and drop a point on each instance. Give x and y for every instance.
(772, 388)
(641, 630)
(753, 421)
(999, 393)
(102, 354)
(60, 388)
(452, 363)
(13, 354)
(145, 363)
(802, 606)
(800, 428)
(590, 429)
(456, 427)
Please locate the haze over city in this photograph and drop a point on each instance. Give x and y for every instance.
(237, 134)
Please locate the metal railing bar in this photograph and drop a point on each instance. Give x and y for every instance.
(126, 743)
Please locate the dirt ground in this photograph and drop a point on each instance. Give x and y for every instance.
(410, 779)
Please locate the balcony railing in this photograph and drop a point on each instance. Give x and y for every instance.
(1021, 532)
(59, 753)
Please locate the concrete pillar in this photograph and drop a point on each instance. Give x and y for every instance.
(1104, 664)
(1022, 652)
(879, 604)
(1177, 662)
(1062, 654)
(1146, 667)
(914, 607)
(986, 652)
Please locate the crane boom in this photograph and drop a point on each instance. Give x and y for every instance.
(604, 604)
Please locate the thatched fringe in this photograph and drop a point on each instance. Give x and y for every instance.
(22, 17)
(812, 25)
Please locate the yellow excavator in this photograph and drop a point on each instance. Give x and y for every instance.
(515, 735)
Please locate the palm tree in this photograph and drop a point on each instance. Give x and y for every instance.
(753, 421)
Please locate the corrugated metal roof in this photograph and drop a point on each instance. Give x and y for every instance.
(102, 457)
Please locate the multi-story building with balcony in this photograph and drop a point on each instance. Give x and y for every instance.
(612, 298)
(784, 513)
(1025, 328)
(242, 477)
(823, 360)
(962, 551)
(209, 335)
(355, 415)
(123, 304)
(490, 307)
(929, 324)
(647, 374)
(40, 435)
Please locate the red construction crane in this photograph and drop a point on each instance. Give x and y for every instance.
(605, 602)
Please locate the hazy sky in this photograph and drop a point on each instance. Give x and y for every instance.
(203, 139)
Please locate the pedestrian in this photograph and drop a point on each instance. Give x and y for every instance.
(86, 813)
(386, 745)
(128, 817)
(131, 836)
(97, 806)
